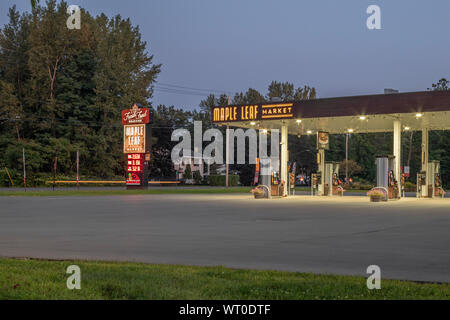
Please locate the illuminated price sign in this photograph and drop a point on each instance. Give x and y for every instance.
(135, 167)
(134, 138)
(135, 162)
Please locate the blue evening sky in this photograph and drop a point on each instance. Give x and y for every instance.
(231, 45)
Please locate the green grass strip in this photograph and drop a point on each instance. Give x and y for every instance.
(39, 279)
(81, 192)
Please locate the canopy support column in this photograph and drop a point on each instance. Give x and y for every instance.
(321, 169)
(397, 151)
(425, 159)
(284, 158)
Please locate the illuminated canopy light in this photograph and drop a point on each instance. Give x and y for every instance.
(407, 128)
(253, 123)
(350, 130)
(265, 131)
(309, 132)
(362, 118)
(419, 115)
(299, 121)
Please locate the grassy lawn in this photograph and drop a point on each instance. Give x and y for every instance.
(82, 192)
(37, 279)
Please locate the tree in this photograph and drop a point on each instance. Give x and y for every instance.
(252, 96)
(14, 52)
(68, 87)
(125, 75)
(305, 93)
(197, 177)
(10, 108)
(353, 167)
(33, 3)
(441, 85)
(52, 46)
(282, 90)
(205, 108)
(188, 172)
(286, 92)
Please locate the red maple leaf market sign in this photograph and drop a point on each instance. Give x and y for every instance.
(135, 115)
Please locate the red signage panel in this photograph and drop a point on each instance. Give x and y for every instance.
(136, 115)
(133, 179)
(135, 162)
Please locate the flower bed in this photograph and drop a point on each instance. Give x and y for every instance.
(377, 195)
(258, 193)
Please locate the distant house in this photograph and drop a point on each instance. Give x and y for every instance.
(197, 163)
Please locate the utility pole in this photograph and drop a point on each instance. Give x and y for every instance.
(55, 164)
(78, 169)
(227, 150)
(24, 170)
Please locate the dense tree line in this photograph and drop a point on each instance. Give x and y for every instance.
(62, 90)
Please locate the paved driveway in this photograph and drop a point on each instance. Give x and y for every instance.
(408, 239)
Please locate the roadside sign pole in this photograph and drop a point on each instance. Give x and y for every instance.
(226, 156)
(24, 170)
(227, 144)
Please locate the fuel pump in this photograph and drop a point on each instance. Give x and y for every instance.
(434, 179)
(331, 178)
(385, 176)
(429, 182)
(292, 177)
(266, 175)
(275, 178)
(275, 187)
(421, 183)
(327, 179)
(335, 182)
(437, 180)
(315, 181)
(391, 178)
(403, 184)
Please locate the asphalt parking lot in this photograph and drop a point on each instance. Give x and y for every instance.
(408, 239)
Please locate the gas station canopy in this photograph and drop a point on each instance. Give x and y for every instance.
(358, 114)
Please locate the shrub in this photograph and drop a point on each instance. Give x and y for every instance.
(219, 180)
(197, 177)
(410, 186)
(4, 179)
(366, 187)
(188, 172)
